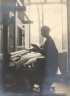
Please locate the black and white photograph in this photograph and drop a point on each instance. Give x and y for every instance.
(34, 47)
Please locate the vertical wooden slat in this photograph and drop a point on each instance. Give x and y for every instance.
(68, 27)
(16, 15)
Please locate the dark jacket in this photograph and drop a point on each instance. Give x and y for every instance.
(51, 53)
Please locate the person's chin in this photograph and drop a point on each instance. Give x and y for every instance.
(44, 36)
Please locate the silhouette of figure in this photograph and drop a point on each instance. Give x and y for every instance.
(51, 53)
(48, 65)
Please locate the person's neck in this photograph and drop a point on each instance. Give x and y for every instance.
(47, 37)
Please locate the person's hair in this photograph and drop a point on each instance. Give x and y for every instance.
(45, 28)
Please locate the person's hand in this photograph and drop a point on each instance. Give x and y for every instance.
(42, 46)
(32, 50)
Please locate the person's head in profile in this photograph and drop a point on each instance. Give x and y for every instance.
(45, 31)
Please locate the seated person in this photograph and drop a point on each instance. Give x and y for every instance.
(50, 52)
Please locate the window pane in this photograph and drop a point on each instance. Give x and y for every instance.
(20, 39)
(52, 17)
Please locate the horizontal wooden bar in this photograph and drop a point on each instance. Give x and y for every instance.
(43, 3)
(27, 22)
(13, 8)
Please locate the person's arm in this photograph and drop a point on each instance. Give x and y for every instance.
(43, 49)
(33, 49)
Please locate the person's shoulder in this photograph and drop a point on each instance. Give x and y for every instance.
(52, 42)
(50, 38)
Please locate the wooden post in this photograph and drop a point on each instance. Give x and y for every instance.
(5, 32)
(1, 65)
(5, 42)
(68, 27)
(29, 31)
(39, 23)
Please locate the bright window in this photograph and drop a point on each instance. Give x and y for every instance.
(54, 16)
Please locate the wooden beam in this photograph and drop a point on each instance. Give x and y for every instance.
(26, 16)
(68, 27)
(27, 22)
(5, 41)
(13, 8)
(20, 8)
(19, 2)
(44, 3)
